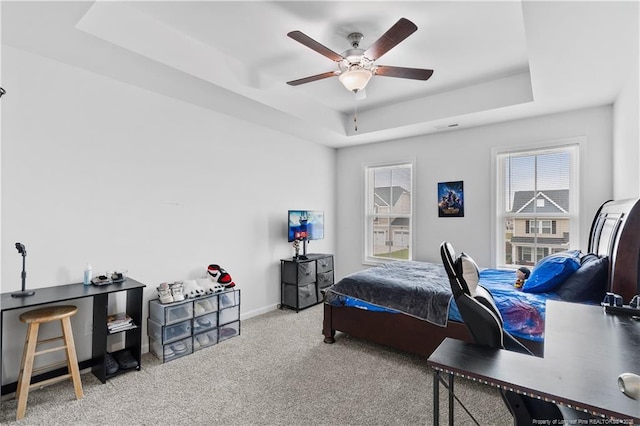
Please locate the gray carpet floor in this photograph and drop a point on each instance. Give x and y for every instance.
(277, 372)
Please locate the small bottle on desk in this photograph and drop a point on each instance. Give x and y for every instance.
(88, 271)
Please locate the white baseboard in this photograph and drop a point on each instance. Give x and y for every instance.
(256, 312)
(243, 316)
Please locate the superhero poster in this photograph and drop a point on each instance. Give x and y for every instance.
(450, 199)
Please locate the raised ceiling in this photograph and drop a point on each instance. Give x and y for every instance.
(492, 61)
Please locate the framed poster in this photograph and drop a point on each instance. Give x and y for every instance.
(451, 199)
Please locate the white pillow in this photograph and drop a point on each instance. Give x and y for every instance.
(468, 269)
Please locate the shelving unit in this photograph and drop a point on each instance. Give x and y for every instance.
(181, 328)
(302, 280)
(133, 335)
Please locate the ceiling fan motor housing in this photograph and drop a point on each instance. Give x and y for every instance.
(354, 57)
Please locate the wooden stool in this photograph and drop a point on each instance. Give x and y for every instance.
(34, 319)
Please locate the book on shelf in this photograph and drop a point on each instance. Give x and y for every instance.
(119, 318)
(122, 327)
(119, 321)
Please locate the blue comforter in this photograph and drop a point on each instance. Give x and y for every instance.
(522, 313)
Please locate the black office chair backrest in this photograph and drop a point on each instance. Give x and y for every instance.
(475, 303)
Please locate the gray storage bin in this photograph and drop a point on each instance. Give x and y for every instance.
(305, 295)
(301, 273)
(325, 279)
(325, 264)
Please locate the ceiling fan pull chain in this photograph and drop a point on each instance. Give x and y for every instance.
(355, 110)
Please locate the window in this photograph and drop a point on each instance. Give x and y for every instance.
(388, 212)
(541, 227)
(525, 254)
(537, 204)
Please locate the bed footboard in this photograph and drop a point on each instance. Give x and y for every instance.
(398, 331)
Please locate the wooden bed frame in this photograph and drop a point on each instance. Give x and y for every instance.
(615, 232)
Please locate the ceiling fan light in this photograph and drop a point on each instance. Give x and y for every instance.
(355, 79)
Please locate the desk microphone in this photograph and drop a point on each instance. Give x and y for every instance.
(21, 249)
(629, 385)
(24, 292)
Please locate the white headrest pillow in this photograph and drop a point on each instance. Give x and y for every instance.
(468, 269)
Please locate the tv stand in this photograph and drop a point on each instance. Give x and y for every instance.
(303, 279)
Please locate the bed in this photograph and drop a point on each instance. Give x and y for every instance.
(614, 235)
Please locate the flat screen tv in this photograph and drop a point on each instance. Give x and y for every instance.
(306, 225)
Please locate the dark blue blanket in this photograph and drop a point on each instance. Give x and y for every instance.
(418, 289)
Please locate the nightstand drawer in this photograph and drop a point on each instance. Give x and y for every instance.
(300, 273)
(325, 279)
(325, 264)
(300, 296)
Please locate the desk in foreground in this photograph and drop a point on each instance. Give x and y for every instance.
(99, 294)
(585, 352)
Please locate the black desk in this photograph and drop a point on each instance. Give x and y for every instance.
(585, 351)
(100, 294)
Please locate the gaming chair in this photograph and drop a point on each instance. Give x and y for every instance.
(483, 319)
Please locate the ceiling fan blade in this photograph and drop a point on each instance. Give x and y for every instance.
(312, 78)
(400, 30)
(300, 37)
(401, 72)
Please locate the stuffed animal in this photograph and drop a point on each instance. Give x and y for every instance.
(220, 276)
(522, 274)
(209, 285)
(192, 289)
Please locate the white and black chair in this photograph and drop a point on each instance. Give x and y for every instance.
(483, 319)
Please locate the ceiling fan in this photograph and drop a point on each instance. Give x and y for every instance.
(356, 66)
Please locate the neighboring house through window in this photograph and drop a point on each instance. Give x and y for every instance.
(537, 197)
(388, 212)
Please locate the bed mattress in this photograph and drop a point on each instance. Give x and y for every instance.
(424, 292)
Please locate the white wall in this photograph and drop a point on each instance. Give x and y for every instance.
(98, 171)
(466, 155)
(626, 148)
